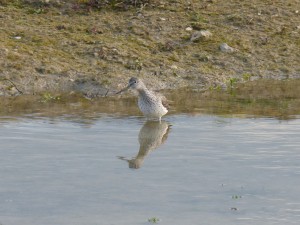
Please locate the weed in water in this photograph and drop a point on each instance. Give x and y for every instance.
(236, 196)
(217, 88)
(247, 76)
(153, 220)
(47, 97)
(232, 82)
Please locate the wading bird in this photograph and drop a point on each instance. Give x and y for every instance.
(152, 105)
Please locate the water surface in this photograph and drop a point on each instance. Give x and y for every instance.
(208, 164)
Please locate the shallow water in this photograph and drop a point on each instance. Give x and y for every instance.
(200, 166)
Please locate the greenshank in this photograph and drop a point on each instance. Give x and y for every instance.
(152, 105)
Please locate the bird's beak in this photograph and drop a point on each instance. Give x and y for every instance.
(124, 89)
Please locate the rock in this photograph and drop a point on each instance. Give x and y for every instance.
(226, 48)
(202, 34)
(189, 29)
(174, 67)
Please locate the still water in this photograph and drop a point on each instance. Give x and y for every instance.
(192, 168)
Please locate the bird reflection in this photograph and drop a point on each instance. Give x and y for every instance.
(151, 136)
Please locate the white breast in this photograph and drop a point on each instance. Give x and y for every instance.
(151, 106)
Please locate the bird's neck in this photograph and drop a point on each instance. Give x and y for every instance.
(143, 91)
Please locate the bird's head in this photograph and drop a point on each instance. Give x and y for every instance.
(134, 83)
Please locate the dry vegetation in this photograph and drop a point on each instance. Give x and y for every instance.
(64, 46)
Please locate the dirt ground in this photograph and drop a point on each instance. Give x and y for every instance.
(60, 46)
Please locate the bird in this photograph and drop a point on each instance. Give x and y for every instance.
(152, 104)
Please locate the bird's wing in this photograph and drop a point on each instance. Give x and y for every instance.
(163, 99)
(165, 102)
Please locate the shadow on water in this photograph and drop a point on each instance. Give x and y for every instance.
(262, 98)
(151, 136)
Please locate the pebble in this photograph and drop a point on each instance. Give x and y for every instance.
(18, 38)
(226, 48)
(189, 29)
(202, 34)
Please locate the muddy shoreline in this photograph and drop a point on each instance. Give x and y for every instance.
(262, 98)
(60, 49)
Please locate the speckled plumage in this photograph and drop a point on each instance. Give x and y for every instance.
(152, 105)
